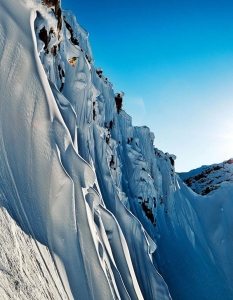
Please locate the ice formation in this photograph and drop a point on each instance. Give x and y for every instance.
(90, 209)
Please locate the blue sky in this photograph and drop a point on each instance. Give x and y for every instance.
(174, 61)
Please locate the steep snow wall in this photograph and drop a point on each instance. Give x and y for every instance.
(78, 180)
(46, 187)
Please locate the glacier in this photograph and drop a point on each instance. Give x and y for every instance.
(89, 207)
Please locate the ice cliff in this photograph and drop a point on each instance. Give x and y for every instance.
(89, 208)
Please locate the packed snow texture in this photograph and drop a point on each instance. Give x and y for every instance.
(91, 208)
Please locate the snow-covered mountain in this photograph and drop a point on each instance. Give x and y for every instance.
(208, 178)
(89, 207)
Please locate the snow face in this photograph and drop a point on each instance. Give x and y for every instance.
(208, 178)
(27, 268)
(48, 189)
(102, 210)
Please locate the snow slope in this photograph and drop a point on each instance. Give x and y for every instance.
(27, 268)
(102, 210)
(48, 189)
(208, 178)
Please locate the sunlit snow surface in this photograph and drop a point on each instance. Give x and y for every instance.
(208, 178)
(75, 173)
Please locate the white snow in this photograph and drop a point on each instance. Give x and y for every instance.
(91, 209)
(47, 186)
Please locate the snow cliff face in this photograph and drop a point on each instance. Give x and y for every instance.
(50, 147)
(88, 192)
(208, 178)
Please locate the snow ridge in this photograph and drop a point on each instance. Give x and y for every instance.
(208, 178)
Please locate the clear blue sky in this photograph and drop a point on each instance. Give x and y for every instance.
(174, 61)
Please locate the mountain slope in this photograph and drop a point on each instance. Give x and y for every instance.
(81, 183)
(208, 178)
(47, 187)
